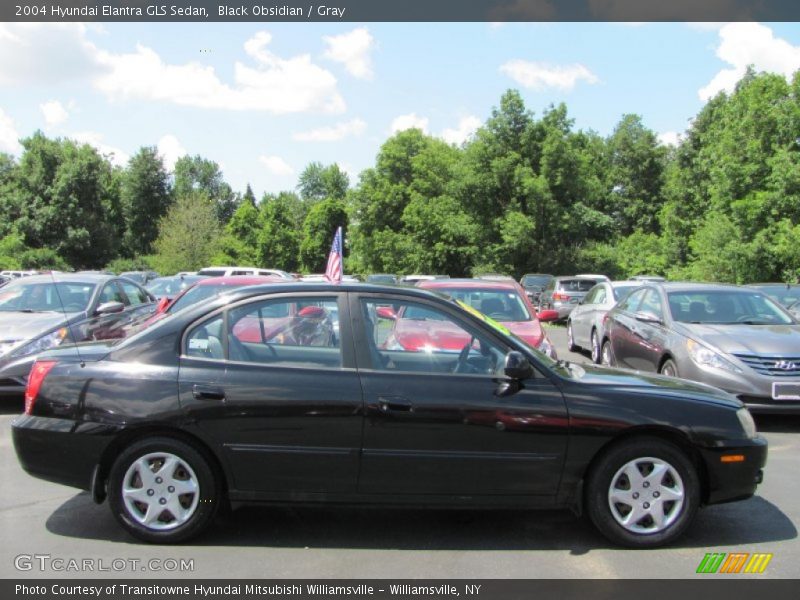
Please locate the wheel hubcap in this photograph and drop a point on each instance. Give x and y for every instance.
(668, 370)
(595, 349)
(569, 334)
(606, 355)
(160, 491)
(646, 495)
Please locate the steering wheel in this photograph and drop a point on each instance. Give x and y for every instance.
(462, 364)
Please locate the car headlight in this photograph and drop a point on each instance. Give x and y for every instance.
(43, 343)
(705, 357)
(748, 424)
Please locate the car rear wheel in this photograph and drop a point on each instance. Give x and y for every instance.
(643, 493)
(163, 490)
(669, 368)
(595, 348)
(606, 354)
(570, 338)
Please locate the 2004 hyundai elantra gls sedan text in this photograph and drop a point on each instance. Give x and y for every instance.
(250, 398)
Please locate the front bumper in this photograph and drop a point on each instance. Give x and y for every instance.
(751, 388)
(729, 481)
(60, 450)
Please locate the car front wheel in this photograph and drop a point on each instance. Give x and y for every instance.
(669, 368)
(643, 493)
(570, 338)
(606, 354)
(595, 348)
(163, 490)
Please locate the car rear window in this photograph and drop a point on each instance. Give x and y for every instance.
(211, 272)
(576, 285)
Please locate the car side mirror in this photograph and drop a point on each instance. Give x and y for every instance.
(108, 308)
(386, 312)
(517, 367)
(162, 305)
(648, 318)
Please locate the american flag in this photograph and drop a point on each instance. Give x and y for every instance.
(333, 272)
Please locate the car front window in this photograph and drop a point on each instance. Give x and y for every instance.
(45, 296)
(501, 305)
(723, 307)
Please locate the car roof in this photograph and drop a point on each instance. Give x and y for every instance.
(238, 280)
(693, 286)
(505, 284)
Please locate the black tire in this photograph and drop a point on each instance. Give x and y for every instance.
(607, 354)
(669, 368)
(571, 346)
(595, 349)
(679, 516)
(203, 509)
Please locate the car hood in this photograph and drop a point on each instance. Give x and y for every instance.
(18, 326)
(655, 384)
(770, 340)
(530, 331)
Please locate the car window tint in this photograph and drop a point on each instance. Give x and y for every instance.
(651, 305)
(437, 343)
(205, 340)
(111, 293)
(576, 285)
(135, 294)
(286, 332)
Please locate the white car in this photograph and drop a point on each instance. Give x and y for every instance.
(229, 271)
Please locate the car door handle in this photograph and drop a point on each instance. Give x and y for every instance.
(394, 404)
(207, 392)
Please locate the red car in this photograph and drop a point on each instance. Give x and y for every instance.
(503, 301)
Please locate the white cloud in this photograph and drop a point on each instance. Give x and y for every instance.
(333, 133)
(353, 50)
(670, 138)
(115, 155)
(744, 44)
(276, 165)
(54, 112)
(540, 75)
(466, 127)
(275, 84)
(170, 150)
(409, 121)
(9, 138)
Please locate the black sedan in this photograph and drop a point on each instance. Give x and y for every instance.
(249, 398)
(44, 311)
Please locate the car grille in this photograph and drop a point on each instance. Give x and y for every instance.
(773, 366)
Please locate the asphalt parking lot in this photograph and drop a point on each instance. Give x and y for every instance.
(39, 518)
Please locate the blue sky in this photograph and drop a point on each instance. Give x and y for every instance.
(265, 99)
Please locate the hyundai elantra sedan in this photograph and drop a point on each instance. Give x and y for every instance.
(249, 398)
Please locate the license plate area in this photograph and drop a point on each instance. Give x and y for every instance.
(786, 390)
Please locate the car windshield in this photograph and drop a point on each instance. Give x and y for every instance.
(199, 293)
(577, 285)
(622, 291)
(530, 280)
(726, 308)
(26, 296)
(500, 305)
(785, 294)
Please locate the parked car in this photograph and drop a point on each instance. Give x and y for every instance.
(44, 311)
(16, 274)
(585, 322)
(534, 283)
(412, 279)
(234, 271)
(563, 293)
(501, 300)
(594, 276)
(140, 277)
(494, 277)
(169, 287)
(734, 338)
(784, 293)
(382, 279)
(174, 423)
(650, 278)
(208, 288)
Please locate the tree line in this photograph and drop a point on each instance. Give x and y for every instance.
(526, 193)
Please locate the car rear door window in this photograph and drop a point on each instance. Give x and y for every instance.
(136, 295)
(632, 301)
(112, 293)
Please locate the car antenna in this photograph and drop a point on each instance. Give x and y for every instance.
(69, 326)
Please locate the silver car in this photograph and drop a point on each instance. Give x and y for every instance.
(585, 322)
(563, 293)
(734, 338)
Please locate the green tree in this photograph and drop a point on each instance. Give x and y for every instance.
(188, 234)
(145, 198)
(278, 238)
(318, 182)
(198, 174)
(318, 230)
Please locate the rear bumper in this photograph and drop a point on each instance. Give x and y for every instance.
(59, 450)
(729, 481)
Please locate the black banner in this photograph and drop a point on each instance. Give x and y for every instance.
(399, 10)
(344, 589)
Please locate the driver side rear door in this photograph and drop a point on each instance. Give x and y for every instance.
(433, 422)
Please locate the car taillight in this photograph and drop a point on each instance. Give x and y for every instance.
(560, 297)
(39, 371)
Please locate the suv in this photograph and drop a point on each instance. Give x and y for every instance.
(562, 294)
(534, 283)
(232, 271)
